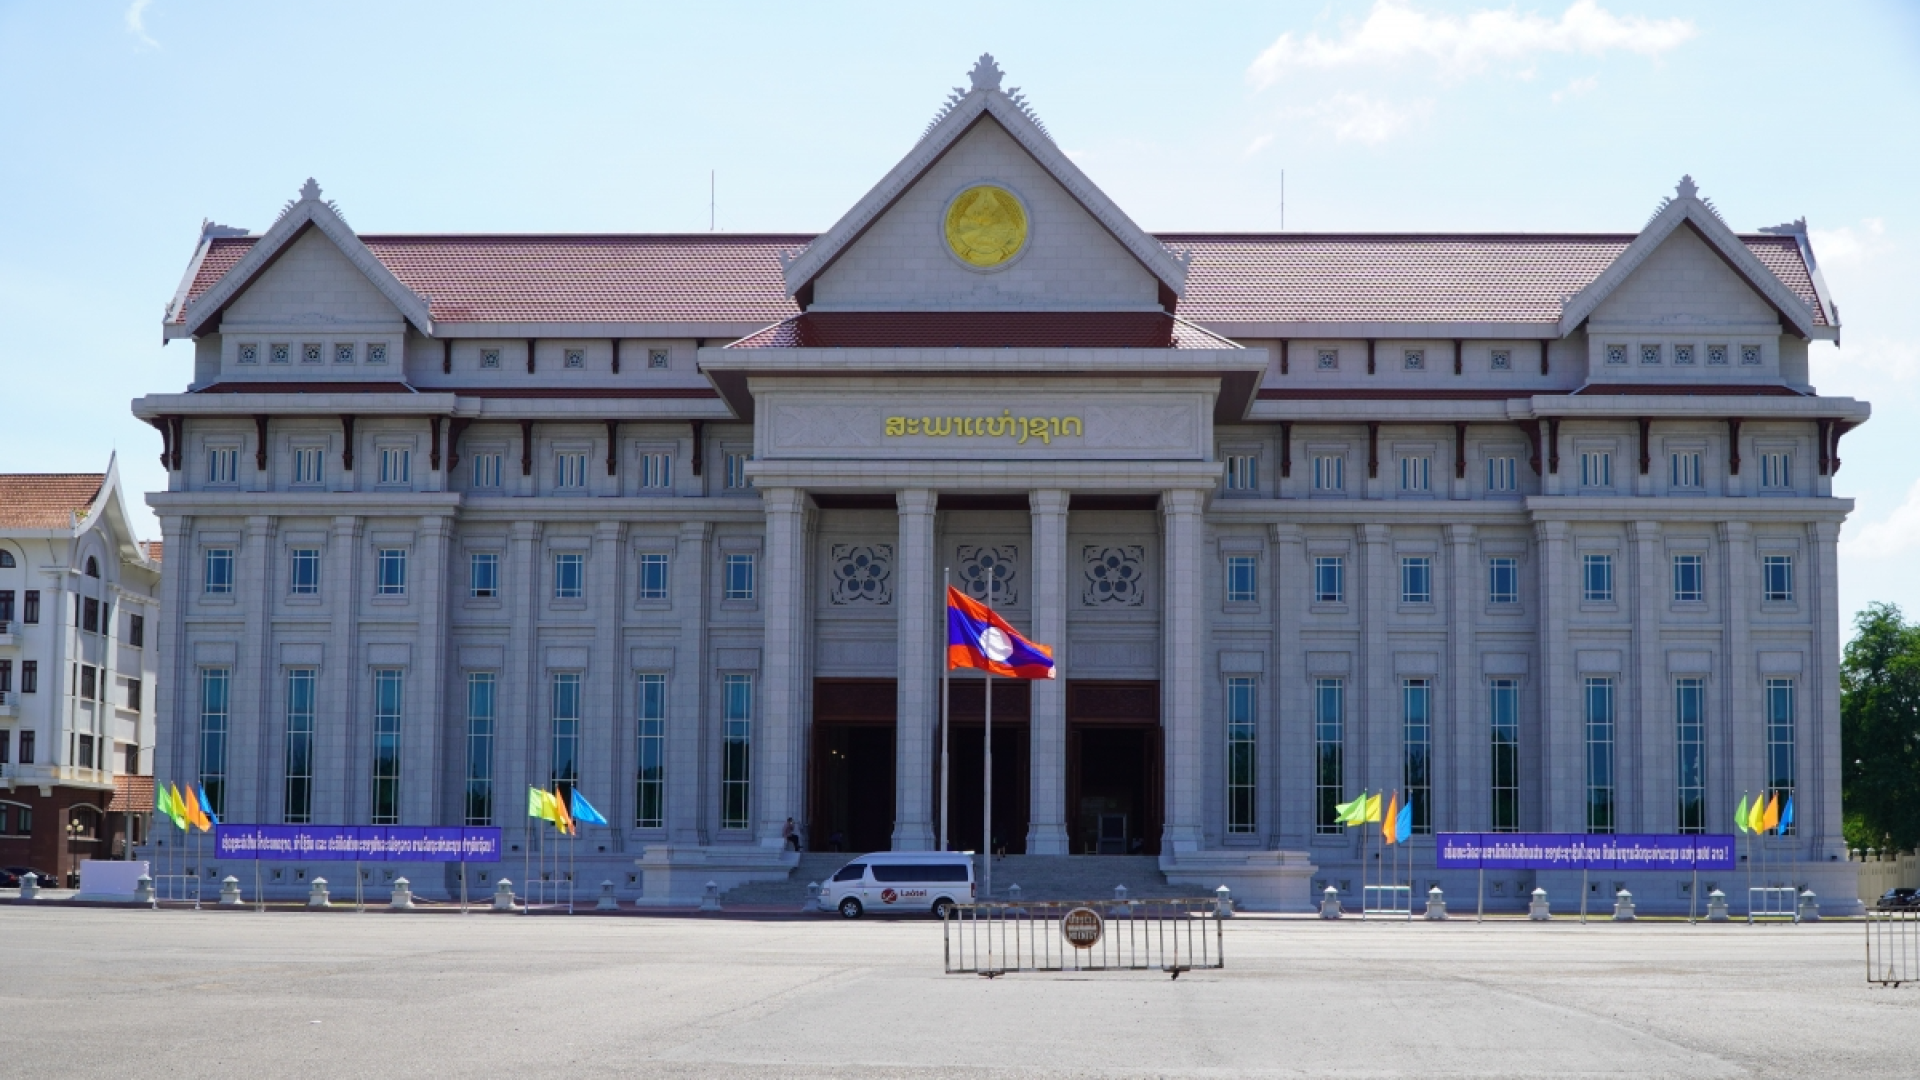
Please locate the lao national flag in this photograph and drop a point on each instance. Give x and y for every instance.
(977, 638)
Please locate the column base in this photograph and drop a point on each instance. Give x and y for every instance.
(913, 837)
(1046, 840)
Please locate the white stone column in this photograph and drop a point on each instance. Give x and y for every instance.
(431, 757)
(1460, 793)
(1047, 731)
(1559, 774)
(1736, 742)
(917, 673)
(603, 749)
(340, 776)
(1183, 694)
(175, 687)
(252, 765)
(1291, 805)
(781, 727)
(519, 754)
(1374, 734)
(1819, 736)
(687, 726)
(1646, 762)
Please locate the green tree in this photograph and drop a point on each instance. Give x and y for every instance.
(1880, 730)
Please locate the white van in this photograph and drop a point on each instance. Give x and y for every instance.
(900, 881)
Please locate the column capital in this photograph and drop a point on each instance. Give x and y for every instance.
(524, 530)
(1735, 531)
(436, 526)
(347, 527)
(1459, 533)
(1182, 501)
(259, 525)
(608, 532)
(1824, 532)
(916, 501)
(696, 532)
(783, 500)
(1375, 533)
(1646, 531)
(1048, 501)
(1551, 530)
(1286, 532)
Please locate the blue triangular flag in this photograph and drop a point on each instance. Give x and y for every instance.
(583, 811)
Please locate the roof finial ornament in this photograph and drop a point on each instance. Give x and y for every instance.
(986, 74)
(310, 191)
(1686, 188)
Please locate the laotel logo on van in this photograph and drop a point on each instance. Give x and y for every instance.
(891, 896)
(888, 896)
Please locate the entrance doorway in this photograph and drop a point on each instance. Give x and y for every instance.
(966, 765)
(1114, 768)
(853, 731)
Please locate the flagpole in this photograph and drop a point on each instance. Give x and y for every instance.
(526, 861)
(1363, 855)
(986, 782)
(946, 690)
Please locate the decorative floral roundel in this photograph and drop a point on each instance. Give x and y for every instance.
(986, 226)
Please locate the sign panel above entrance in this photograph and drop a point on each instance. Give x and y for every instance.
(952, 423)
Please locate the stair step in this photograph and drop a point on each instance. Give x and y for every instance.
(1040, 877)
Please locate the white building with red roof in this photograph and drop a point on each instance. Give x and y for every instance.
(1536, 531)
(79, 600)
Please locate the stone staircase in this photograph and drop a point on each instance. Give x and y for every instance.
(1040, 877)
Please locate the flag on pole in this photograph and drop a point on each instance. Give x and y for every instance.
(561, 819)
(539, 804)
(1373, 810)
(1757, 816)
(978, 638)
(208, 819)
(1390, 824)
(171, 807)
(1773, 812)
(1740, 814)
(1351, 813)
(1786, 814)
(1403, 825)
(583, 811)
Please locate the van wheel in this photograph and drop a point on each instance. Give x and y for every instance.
(850, 908)
(943, 908)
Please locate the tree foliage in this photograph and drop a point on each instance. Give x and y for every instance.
(1880, 730)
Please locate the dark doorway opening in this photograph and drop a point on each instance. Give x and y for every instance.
(853, 762)
(1114, 768)
(966, 763)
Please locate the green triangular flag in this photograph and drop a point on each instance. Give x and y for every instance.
(1740, 814)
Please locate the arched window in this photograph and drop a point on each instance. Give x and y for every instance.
(6, 559)
(93, 567)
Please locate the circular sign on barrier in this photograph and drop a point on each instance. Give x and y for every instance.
(1081, 927)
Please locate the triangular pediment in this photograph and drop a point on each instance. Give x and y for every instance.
(889, 251)
(314, 241)
(1685, 255)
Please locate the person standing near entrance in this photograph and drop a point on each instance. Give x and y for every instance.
(790, 835)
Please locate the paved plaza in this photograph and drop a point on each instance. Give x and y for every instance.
(141, 993)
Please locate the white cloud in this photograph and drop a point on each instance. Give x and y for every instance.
(1576, 88)
(1900, 531)
(1461, 45)
(1259, 143)
(1359, 118)
(1848, 246)
(136, 19)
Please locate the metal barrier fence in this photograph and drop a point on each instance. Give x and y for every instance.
(1386, 900)
(1173, 936)
(1893, 946)
(1773, 902)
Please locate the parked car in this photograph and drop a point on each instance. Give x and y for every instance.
(928, 881)
(10, 877)
(1900, 899)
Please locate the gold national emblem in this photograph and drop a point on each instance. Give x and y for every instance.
(986, 226)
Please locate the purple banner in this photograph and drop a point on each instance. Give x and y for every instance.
(1582, 851)
(357, 843)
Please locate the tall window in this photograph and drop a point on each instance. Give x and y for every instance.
(1243, 579)
(483, 574)
(305, 579)
(656, 472)
(6, 605)
(1503, 701)
(736, 751)
(1596, 579)
(214, 683)
(1329, 579)
(1502, 475)
(1329, 472)
(1776, 470)
(1241, 760)
(737, 478)
(739, 584)
(570, 470)
(1690, 722)
(137, 631)
(1329, 752)
(1417, 715)
(650, 763)
(486, 470)
(298, 793)
(391, 572)
(1689, 578)
(480, 705)
(1780, 741)
(1685, 469)
(1416, 579)
(569, 575)
(218, 579)
(388, 687)
(396, 465)
(1243, 472)
(30, 599)
(308, 463)
(1776, 578)
(1596, 468)
(223, 465)
(566, 731)
(653, 576)
(1416, 474)
(1503, 580)
(1599, 695)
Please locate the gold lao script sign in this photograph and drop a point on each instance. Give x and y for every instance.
(1004, 426)
(986, 226)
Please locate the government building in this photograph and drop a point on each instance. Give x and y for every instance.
(1536, 530)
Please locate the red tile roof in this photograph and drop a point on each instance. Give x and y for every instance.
(131, 795)
(154, 549)
(44, 500)
(983, 330)
(1251, 277)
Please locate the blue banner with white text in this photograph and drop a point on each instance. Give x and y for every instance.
(1582, 851)
(357, 843)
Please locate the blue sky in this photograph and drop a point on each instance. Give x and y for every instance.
(123, 125)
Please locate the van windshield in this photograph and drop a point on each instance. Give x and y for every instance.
(898, 872)
(851, 872)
